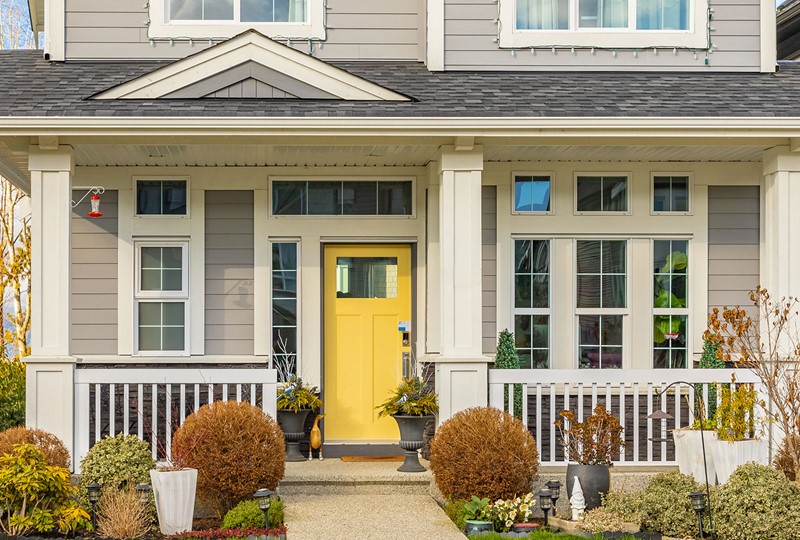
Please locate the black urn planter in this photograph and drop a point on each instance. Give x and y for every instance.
(292, 424)
(595, 481)
(412, 429)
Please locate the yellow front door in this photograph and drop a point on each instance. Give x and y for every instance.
(367, 293)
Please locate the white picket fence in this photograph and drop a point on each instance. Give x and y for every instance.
(151, 403)
(631, 395)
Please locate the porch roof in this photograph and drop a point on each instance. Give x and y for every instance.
(65, 89)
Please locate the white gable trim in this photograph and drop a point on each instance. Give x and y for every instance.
(251, 46)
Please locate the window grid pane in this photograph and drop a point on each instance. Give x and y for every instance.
(670, 193)
(284, 308)
(161, 197)
(602, 274)
(602, 194)
(161, 268)
(532, 194)
(600, 344)
(162, 326)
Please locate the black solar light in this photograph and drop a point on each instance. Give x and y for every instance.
(545, 502)
(264, 498)
(93, 490)
(699, 506)
(144, 493)
(555, 492)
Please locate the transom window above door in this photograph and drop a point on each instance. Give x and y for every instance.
(342, 197)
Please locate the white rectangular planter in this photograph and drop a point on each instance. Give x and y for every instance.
(689, 453)
(173, 492)
(728, 455)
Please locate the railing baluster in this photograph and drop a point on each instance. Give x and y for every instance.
(211, 393)
(112, 398)
(622, 418)
(238, 393)
(154, 425)
(580, 402)
(636, 423)
(264, 397)
(140, 410)
(125, 409)
(566, 408)
(224, 392)
(196, 397)
(594, 397)
(662, 427)
(183, 403)
(97, 412)
(649, 422)
(252, 394)
(552, 424)
(168, 424)
(538, 417)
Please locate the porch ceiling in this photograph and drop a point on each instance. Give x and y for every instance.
(201, 155)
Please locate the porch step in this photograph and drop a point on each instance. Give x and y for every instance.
(332, 476)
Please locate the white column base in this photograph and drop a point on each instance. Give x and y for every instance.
(461, 383)
(49, 404)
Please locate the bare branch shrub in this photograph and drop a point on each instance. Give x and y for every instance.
(766, 343)
(236, 449)
(120, 514)
(484, 452)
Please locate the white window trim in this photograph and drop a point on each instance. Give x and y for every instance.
(687, 311)
(137, 179)
(690, 194)
(695, 37)
(411, 179)
(162, 27)
(534, 311)
(628, 187)
(625, 312)
(297, 242)
(514, 175)
(161, 296)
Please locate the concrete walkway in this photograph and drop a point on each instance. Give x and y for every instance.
(332, 500)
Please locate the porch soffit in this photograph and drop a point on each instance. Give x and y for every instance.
(251, 56)
(366, 155)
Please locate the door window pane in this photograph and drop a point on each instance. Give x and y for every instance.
(602, 194)
(670, 193)
(532, 194)
(601, 279)
(600, 341)
(366, 277)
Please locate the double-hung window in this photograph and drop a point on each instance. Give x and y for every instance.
(532, 302)
(601, 302)
(162, 298)
(670, 303)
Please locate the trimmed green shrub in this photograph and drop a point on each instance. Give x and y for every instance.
(600, 520)
(757, 503)
(12, 394)
(626, 505)
(247, 515)
(457, 512)
(666, 506)
(506, 357)
(117, 462)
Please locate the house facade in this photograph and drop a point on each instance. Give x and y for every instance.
(351, 191)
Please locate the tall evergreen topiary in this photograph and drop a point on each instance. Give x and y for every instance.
(708, 360)
(506, 358)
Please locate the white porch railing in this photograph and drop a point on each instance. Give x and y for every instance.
(151, 402)
(631, 395)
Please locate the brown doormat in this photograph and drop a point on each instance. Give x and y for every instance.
(367, 459)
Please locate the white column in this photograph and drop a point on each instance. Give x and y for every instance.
(50, 368)
(780, 242)
(461, 368)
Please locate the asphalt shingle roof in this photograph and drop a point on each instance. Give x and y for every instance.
(32, 86)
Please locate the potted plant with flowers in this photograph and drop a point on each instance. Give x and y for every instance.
(590, 446)
(295, 401)
(412, 404)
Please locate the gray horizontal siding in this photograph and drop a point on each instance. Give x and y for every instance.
(733, 245)
(356, 30)
(471, 33)
(229, 263)
(489, 267)
(93, 280)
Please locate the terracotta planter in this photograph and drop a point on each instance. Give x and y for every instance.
(412, 429)
(728, 455)
(173, 493)
(595, 481)
(689, 453)
(292, 424)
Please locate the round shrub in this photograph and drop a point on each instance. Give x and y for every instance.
(117, 462)
(666, 506)
(484, 452)
(236, 449)
(625, 505)
(247, 515)
(600, 520)
(783, 458)
(756, 503)
(55, 453)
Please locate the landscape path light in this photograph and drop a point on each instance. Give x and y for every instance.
(555, 492)
(699, 505)
(264, 498)
(144, 493)
(545, 502)
(93, 491)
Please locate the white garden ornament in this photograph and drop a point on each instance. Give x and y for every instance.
(577, 502)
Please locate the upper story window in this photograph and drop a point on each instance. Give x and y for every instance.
(532, 193)
(200, 19)
(342, 198)
(161, 197)
(603, 23)
(670, 193)
(601, 194)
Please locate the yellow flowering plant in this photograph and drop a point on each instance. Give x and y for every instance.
(504, 513)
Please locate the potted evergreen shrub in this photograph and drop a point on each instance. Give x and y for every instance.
(295, 401)
(590, 446)
(412, 405)
(506, 357)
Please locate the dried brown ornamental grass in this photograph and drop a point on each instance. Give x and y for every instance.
(236, 449)
(55, 453)
(484, 452)
(120, 514)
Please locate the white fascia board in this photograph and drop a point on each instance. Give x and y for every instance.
(406, 126)
(251, 46)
